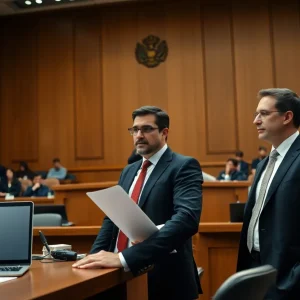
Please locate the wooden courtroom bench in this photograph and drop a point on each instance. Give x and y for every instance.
(215, 248)
(112, 173)
(83, 212)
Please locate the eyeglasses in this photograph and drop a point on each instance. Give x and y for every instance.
(143, 129)
(264, 113)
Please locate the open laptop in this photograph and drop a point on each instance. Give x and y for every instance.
(15, 237)
(53, 209)
(237, 212)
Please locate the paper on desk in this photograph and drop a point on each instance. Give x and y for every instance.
(3, 279)
(124, 212)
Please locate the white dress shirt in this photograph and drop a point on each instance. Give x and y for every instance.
(154, 160)
(282, 149)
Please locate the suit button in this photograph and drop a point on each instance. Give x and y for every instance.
(263, 230)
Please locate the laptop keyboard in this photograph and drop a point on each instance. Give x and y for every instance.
(10, 269)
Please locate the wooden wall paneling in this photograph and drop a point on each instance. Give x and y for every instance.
(184, 74)
(119, 82)
(286, 33)
(56, 90)
(88, 86)
(19, 112)
(24, 136)
(219, 80)
(254, 67)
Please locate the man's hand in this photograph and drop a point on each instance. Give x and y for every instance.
(2, 194)
(102, 259)
(227, 169)
(36, 186)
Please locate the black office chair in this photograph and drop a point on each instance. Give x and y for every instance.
(250, 284)
(47, 220)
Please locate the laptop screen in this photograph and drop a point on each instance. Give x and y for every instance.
(15, 232)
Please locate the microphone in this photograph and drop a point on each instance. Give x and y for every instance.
(65, 255)
(44, 241)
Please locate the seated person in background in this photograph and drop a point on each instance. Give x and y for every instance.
(58, 171)
(262, 153)
(134, 157)
(38, 189)
(11, 186)
(242, 165)
(24, 172)
(231, 173)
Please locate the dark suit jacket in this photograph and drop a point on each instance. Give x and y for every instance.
(279, 226)
(14, 190)
(244, 167)
(172, 196)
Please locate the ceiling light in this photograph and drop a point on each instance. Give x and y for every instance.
(39, 1)
(28, 2)
(57, 0)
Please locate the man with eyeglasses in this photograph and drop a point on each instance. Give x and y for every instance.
(271, 229)
(170, 193)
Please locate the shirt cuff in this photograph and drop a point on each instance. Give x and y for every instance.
(123, 262)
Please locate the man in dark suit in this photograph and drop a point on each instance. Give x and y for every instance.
(171, 195)
(270, 233)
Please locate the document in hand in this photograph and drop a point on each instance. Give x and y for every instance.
(124, 212)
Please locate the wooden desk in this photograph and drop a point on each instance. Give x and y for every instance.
(83, 212)
(80, 237)
(59, 280)
(35, 200)
(218, 195)
(215, 248)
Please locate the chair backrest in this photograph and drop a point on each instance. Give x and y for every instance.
(25, 183)
(47, 220)
(247, 285)
(50, 182)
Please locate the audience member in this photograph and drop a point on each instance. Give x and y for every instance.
(24, 172)
(38, 189)
(262, 153)
(231, 172)
(242, 165)
(11, 186)
(58, 171)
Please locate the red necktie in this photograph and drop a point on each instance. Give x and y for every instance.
(123, 239)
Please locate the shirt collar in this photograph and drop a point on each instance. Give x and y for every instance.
(156, 157)
(284, 147)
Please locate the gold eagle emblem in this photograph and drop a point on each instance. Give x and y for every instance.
(152, 52)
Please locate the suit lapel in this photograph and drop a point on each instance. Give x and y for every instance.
(289, 158)
(129, 177)
(156, 173)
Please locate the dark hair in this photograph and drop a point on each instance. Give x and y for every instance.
(286, 100)
(55, 160)
(239, 153)
(260, 148)
(162, 119)
(24, 165)
(234, 161)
